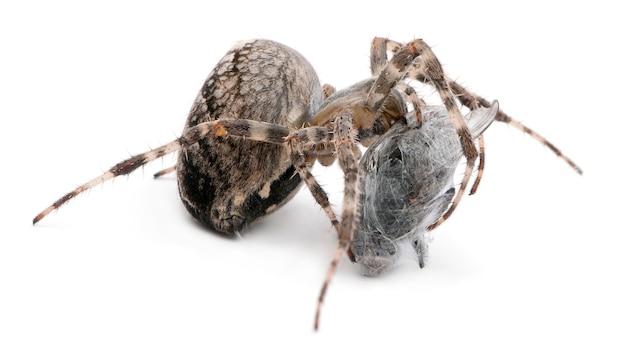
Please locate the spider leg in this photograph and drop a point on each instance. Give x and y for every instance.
(345, 137)
(434, 74)
(328, 90)
(316, 140)
(312, 139)
(468, 98)
(246, 129)
(411, 96)
(481, 164)
(457, 198)
(389, 76)
(378, 53)
(299, 142)
(164, 172)
(253, 130)
(122, 168)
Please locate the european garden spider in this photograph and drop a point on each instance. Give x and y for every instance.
(262, 117)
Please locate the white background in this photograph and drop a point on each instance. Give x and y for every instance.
(533, 262)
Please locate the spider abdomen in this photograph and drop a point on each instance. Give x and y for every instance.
(225, 182)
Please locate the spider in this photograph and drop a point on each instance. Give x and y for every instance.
(262, 91)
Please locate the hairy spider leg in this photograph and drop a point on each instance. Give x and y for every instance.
(345, 143)
(253, 130)
(468, 99)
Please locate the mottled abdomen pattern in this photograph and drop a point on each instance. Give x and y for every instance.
(227, 182)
